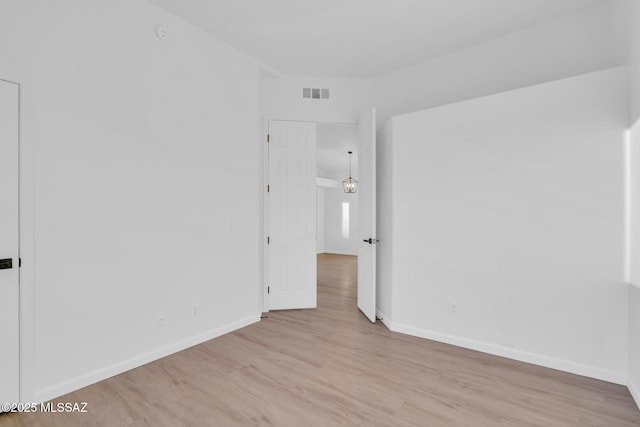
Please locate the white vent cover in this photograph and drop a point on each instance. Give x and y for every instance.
(314, 93)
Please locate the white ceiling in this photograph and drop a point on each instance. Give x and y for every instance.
(361, 38)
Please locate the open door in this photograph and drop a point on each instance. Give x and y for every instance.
(291, 242)
(9, 262)
(367, 214)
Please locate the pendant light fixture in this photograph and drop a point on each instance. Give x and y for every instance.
(350, 185)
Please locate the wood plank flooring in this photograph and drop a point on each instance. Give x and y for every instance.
(332, 367)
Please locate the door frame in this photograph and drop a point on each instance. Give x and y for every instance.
(264, 198)
(26, 233)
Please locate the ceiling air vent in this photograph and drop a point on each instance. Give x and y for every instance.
(313, 93)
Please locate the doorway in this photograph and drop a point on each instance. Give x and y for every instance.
(290, 208)
(337, 211)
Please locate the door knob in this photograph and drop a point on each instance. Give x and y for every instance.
(371, 241)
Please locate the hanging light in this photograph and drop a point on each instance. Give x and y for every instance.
(350, 185)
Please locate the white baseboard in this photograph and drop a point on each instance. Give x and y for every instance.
(510, 353)
(635, 391)
(384, 319)
(118, 368)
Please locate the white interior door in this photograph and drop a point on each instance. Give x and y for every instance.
(9, 288)
(291, 248)
(367, 214)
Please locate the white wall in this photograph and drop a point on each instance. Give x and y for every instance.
(515, 212)
(128, 149)
(282, 97)
(320, 196)
(579, 43)
(634, 56)
(334, 241)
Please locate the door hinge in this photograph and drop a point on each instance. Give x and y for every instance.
(268, 188)
(268, 289)
(19, 262)
(268, 137)
(268, 240)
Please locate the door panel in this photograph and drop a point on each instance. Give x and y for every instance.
(291, 250)
(367, 214)
(9, 287)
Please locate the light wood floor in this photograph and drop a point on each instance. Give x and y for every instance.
(332, 367)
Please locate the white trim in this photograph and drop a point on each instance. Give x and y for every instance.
(136, 361)
(510, 353)
(302, 118)
(627, 205)
(383, 318)
(264, 218)
(635, 392)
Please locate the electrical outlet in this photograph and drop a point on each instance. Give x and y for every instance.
(454, 309)
(195, 309)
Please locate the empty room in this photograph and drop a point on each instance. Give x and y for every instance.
(306, 212)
